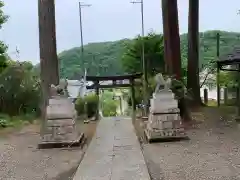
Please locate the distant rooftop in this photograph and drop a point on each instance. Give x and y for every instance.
(75, 88)
(231, 58)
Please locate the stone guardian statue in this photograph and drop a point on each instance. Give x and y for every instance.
(59, 90)
(162, 84)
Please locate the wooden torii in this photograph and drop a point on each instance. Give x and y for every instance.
(47, 41)
(131, 83)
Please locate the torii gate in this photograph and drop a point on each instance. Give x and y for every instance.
(47, 41)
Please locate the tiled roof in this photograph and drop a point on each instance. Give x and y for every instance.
(230, 58)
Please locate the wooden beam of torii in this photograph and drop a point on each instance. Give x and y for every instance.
(172, 53)
(47, 45)
(47, 41)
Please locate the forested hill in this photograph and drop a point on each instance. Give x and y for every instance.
(104, 58)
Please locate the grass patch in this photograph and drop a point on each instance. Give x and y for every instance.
(230, 102)
(212, 103)
(15, 121)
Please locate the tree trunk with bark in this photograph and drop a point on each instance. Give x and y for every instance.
(48, 51)
(172, 52)
(193, 85)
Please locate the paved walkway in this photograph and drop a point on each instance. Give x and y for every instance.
(114, 153)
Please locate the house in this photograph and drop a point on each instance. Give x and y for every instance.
(76, 88)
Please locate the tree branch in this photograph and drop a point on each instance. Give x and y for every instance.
(209, 72)
(205, 79)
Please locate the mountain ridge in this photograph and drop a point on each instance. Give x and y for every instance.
(104, 58)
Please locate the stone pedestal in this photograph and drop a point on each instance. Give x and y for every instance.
(60, 129)
(164, 120)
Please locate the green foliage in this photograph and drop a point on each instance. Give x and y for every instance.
(3, 17)
(228, 79)
(5, 121)
(3, 47)
(87, 105)
(138, 96)
(92, 104)
(109, 108)
(139, 91)
(109, 105)
(15, 121)
(19, 90)
(110, 54)
(3, 59)
(153, 47)
(19, 86)
(154, 57)
(99, 59)
(80, 106)
(179, 89)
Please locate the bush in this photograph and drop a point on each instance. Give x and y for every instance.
(139, 92)
(4, 121)
(109, 108)
(19, 91)
(79, 106)
(10, 121)
(91, 102)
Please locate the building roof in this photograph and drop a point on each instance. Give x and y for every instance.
(74, 82)
(230, 58)
(75, 88)
(119, 77)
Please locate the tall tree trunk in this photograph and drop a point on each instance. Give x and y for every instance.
(48, 52)
(172, 53)
(168, 62)
(193, 52)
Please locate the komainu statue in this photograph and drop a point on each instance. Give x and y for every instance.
(59, 90)
(162, 84)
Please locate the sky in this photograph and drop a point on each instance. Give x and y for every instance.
(105, 20)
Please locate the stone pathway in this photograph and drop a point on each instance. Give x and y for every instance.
(114, 153)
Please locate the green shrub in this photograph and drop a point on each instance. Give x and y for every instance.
(9, 121)
(79, 106)
(91, 104)
(19, 91)
(139, 92)
(109, 108)
(180, 91)
(5, 121)
(87, 105)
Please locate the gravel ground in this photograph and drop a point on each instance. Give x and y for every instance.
(21, 160)
(212, 153)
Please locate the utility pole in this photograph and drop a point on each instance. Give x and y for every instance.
(144, 68)
(80, 19)
(218, 70)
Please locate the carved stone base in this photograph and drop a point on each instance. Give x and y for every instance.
(165, 135)
(60, 131)
(164, 122)
(51, 144)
